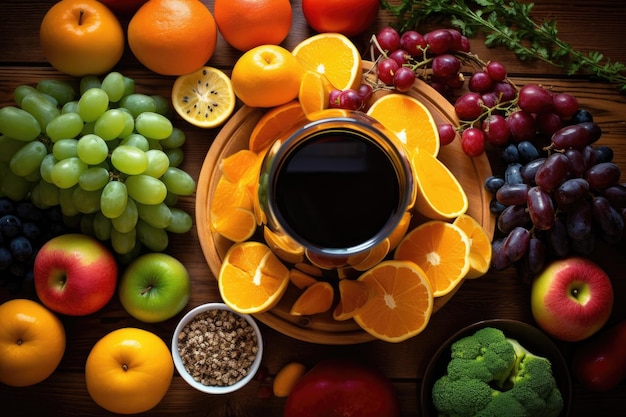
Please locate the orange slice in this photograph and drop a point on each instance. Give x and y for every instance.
(236, 167)
(314, 92)
(401, 303)
(353, 295)
(286, 378)
(231, 213)
(317, 298)
(441, 250)
(480, 245)
(398, 233)
(300, 279)
(334, 56)
(274, 124)
(252, 279)
(440, 196)
(409, 120)
(310, 269)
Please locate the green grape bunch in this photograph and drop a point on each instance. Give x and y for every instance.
(104, 153)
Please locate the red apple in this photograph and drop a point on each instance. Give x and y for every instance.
(342, 388)
(572, 299)
(599, 364)
(123, 7)
(74, 274)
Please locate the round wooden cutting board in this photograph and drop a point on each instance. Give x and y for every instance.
(322, 328)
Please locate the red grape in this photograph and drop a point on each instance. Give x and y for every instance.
(496, 71)
(565, 105)
(400, 56)
(333, 98)
(388, 38)
(350, 99)
(469, 106)
(473, 141)
(386, 70)
(447, 133)
(446, 66)
(403, 79)
(439, 41)
(522, 125)
(534, 99)
(496, 130)
(413, 42)
(480, 82)
(365, 91)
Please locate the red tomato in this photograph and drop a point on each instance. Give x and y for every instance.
(350, 17)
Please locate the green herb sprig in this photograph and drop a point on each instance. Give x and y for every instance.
(509, 24)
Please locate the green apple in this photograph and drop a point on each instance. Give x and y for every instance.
(154, 287)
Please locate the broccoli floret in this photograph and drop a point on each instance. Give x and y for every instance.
(485, 355)
(491, 375)
(463, 397)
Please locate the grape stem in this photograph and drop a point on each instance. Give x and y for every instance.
(509, 24)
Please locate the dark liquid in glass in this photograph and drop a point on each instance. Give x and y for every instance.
(337, 189)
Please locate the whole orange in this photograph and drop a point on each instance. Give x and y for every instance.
(129, 371)
(81, 37)
(245, 24)
(266, 76)
(172, 37)
(32, 342)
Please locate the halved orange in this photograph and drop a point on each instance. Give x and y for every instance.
(441, 250)
(439, 196)
(252, 279)
(334, 56)
(480, 245)
(401, 303)
(314, 92)
(353, 295)
(315, 299)
(409, 120)
(273, 124)
(204, 98)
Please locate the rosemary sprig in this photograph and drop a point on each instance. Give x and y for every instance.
(509, 23)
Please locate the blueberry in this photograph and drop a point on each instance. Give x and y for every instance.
(10, 225)
(603, 154)
(493, 184)
(21, 249)
(6, 259)
(527, 151)
(28, 211)
(31, 231)
(510, 153)
(6, 206)
(581, 116)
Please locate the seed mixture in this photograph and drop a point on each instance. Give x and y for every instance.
(218, 347)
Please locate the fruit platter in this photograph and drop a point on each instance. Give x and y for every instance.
(132, 164)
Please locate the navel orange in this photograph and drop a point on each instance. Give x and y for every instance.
(401, 302)
(245, 24)
(441, 250)
(252, 279)
(172, 37)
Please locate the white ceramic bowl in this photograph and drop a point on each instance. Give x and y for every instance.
(178, 360)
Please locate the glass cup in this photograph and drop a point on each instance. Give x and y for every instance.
(335, 187)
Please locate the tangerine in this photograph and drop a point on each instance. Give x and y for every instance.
(246, 24)
(172, 37)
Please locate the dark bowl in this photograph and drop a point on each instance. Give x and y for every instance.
(529, 336)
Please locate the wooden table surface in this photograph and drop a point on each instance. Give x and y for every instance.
(586, 25)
